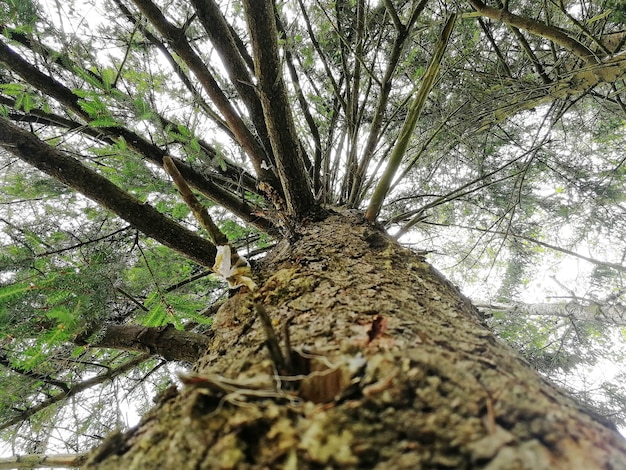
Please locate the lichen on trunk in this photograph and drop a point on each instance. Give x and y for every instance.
(386, 365)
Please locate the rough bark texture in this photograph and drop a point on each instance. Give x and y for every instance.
(392, 370)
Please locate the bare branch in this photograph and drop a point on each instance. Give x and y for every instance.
(399, 150)
(109, 375)
(537, 28)
(277, 107)
(199, 211)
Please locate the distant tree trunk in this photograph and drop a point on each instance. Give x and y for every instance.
(166, 341)
(390, 368)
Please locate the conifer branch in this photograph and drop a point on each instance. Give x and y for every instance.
(55, 89)
(537, 28)
(110, 374)
(74, 174)
(406, 133)
(43, 460)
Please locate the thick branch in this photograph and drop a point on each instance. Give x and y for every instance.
(537, 28)
(43, 460)
(306, 111)
(65, 96)
(166, 341)
(277, 107)
(609, 315)
(179, 43)
(223, 39)
(72, 173)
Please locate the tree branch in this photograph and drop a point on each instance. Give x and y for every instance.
(607, 264)
(4, 361)
(178, 41)
(336, 88)
(199, 211)
(304, 107)
(165, 341)
(43, 460)
(401, 145)
(537, 28)
(72, 173)
(386, 85)
(577, 83)
(176, 67)
(64, 95)
(236, 174)
(277, 107)
(222, 38)
(110, 374)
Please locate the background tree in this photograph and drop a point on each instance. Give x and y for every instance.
(489, 134)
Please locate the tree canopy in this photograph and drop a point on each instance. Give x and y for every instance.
(491, 135)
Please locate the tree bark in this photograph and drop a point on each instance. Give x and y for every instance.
(385, 365)
(40, 461)
(166, 341)
(290, 160)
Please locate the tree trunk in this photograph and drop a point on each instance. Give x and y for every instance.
(388, 367)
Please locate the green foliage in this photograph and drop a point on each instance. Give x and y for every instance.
(616, 10)
(52, 302)
(11, 292)
(94, 105)
(23, 13)
(31, 186)
(173, 309)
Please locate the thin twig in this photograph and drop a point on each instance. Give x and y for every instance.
(272, 340)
